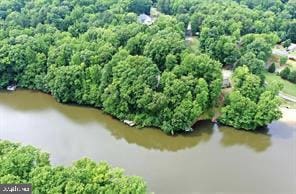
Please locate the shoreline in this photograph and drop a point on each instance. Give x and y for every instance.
(289, 115)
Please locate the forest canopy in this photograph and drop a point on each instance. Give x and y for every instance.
(98, 53)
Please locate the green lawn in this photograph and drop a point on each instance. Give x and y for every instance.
(289, 87)
(294, 53)
(292, 64)
(275, 59)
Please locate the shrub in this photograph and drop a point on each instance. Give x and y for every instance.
(292, 76)
(271, 68)
(285, 73)
(287, 43)
(283, 60)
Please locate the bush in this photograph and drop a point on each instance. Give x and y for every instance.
(271, 68)
(283, 60)
(287, 43)
(292, 76)
(285, 73)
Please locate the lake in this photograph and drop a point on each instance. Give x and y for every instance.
(211, 159)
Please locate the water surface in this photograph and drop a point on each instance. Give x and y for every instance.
(211, 159)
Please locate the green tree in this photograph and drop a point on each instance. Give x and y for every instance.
(247, 83)
(259, 44)
(271, 68)
(283, 60)
(239, 112)
(291, 31)
(65, 83)
(130, 78)
(267, 109)
(164, 6)
(136, 45)
(163, 44)
(140, 6)
(285, 73)
(255, 65)
(287, 43)
(250, 105)
(292, 76)
(23, 164)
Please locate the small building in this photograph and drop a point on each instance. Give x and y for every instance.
(145, 19)
(291, 48)
(226, 78)
(189, 30)
(226, 83)
(281, 53)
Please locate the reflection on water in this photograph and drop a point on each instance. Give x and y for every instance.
(211, 159)
(150, 138)
(156, 139)
(258, 141)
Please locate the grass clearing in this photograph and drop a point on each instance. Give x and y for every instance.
(291, 64)
(194, 45)
(289, 87)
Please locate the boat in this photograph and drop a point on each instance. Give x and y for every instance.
(11, 88)
(130, 123)
(188, 129)
(214, 120)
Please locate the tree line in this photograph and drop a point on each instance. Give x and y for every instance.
(109, 60)
(27, 164)
(97, 53)
(288, 74)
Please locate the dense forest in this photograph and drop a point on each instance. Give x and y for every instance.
(98, 53)
(26, 164)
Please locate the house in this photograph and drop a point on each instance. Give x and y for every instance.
(291, 48)
(145, 19)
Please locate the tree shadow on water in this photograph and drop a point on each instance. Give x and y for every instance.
(37, 102)
(155, 139)
(148, 138)
(258, 141)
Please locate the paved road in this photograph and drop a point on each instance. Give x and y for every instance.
(287, 97)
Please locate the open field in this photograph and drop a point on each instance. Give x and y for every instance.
(292, 64)
(289, 88)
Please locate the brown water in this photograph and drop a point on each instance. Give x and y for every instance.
(211, 159)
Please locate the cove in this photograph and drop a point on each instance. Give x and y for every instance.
(211, 159)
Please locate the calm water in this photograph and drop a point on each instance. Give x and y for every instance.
(212, 159)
